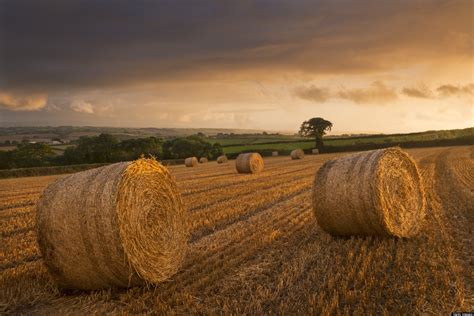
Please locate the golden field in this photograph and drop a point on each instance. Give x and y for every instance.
(255, 248)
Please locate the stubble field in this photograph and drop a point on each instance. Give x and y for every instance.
(256, 248)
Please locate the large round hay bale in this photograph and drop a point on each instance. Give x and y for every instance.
(222, 159)
(191, 162)
(315, 151)
(297, 154)
(274, 153)
(249, 163)
(116, 226)
(203, 160)
(377, 192)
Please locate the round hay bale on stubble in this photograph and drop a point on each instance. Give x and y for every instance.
(377, 192)
(249, 163)
(203, 160)
(222, 159)
(191, 162)
(297, 154)
(274, 153)
(116, 226)
(315, 151)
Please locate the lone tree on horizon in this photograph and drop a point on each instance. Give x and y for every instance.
(315, 127)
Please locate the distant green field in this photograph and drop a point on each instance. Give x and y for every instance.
(249, 140)
(293, 142)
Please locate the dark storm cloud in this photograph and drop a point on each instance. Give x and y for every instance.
(57, 45)
(448, 90)
(376, 93)
(422, 92)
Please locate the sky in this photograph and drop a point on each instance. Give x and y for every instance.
(367, 66)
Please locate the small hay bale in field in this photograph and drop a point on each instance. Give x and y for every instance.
(116, 226)
(249, 163)
(274, 153)
(297, 154)
(203, 160)
(315, 151)
(222, 159)
(191, 162)
(377, 192)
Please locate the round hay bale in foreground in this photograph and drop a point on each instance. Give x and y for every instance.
(297, 154)
(116, 226)
(191, 162)
(203, 160)
(249, 163)
(222, 159)
(274, 153)
(315, 151)
(377, 192)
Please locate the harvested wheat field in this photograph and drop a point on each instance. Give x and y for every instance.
(255, 247)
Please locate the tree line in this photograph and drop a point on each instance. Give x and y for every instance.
(106, 148)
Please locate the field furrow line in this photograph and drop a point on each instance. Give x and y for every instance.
(18, 231)
(231, 256)
(209, 224)
(238, 193)
(15, 264)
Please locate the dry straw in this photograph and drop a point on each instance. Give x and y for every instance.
(376, 192)
(222, 159)
(191, 162)
(274, 153)
(297, 154)
(249, 163)
(116, 226)
(315, 151)
(203, 160)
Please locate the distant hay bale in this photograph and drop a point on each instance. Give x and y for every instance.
(274, 153)
(377, 192)
(116, 226)
(249, 163)
(203, 160)
(191, 162)
(297, 154)
(222, 159)
(315, 151)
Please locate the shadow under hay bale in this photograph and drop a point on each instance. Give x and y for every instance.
(222, 159)
(297, 154)
(249, 163)
(191, 162)
(376, 192)
(117, 226)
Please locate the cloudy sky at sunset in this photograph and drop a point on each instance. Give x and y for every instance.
(367, 66)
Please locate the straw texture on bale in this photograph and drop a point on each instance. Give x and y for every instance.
(297, 154)
(377, 192)
(191, 162)
(249, 163)
(274, 153)
(222, 159)
(315, 151)
(116, 226)
(203, 160)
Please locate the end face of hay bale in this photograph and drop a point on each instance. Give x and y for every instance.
(297, 154)
(191, 162)
(274, 153)
(116, 226)
(249, 163)
(377, 192)
(203, 160)
(315, 151)
(222, 159)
